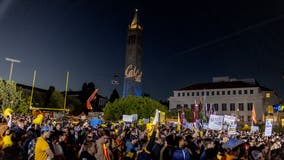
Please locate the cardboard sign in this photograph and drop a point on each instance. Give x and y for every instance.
(232, 129)
(215, 122)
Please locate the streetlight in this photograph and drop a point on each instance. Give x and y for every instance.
(12, 65)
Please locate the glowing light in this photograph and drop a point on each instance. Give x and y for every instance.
(267, 95)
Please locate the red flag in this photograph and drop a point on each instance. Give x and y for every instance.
(253, 115)
(195, 116)
(91, 98)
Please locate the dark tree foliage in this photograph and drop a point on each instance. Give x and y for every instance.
(49, 92)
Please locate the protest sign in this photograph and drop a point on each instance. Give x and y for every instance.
(232, 129)
(127, 118)
(95, 122)
(229, 120)
(215, 122)
(268, 128)
(254, 128)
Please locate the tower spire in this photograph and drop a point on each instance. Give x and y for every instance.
(135, 24)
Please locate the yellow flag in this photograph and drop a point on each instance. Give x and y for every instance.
(162, 117)
(178, 125)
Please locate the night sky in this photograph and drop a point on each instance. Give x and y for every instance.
(185, 42)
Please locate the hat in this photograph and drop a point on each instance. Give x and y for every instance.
(45, 129)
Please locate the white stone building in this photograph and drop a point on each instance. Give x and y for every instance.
(228, 96)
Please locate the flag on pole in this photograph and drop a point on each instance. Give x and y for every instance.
(178, 125)
(195, 116)
(91, 98)
(182, 115)
(156, 119)
(253, 115)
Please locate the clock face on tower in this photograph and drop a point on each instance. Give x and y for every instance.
(132, 71)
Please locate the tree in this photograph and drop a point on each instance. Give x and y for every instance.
(114, 95)
(143, 106)
(188, 114)
(56, 100)
(12, 96)
(49, 92)
(74, 105)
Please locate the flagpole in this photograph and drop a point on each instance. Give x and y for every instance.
(33, 86)
(66, 88)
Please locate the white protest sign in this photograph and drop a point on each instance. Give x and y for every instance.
(268, 128)
(229, 120)
(254, 128)
(156, 119)
(127, 118)
(205, 126)
(134, 117)
(215, 122)
(232, 129)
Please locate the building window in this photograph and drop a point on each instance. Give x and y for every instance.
(240, 91)
(131, 39)
(212, 93)
(197, 93)
(234, 92)
(178, 106)
(224, 107)
(228, 92)
(208, 107)
(178, 94)
(242, 118)
(251, 91)
(218, 93)
(267, 95)
(185, 105)
(207, 93)
(216, 107)
(192, 106)
(232, 106)
(241, 107)
(183, 94)
(249, 106)
(249, 118)
(202, 93)
(245, 91)
(187, 94)
(192, 93)
(223, 92)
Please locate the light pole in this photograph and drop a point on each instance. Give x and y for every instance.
(12, 65)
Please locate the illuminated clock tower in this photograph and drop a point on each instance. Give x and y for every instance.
(133, 59)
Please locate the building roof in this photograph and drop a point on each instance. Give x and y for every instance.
(223, 85)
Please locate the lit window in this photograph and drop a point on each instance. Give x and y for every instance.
(267, 95)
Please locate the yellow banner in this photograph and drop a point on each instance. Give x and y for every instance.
(162, 117)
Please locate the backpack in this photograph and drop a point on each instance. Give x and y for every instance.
(31, 149)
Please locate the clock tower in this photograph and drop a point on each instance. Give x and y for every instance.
(133, 59)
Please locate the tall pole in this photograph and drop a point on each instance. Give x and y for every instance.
(31, 99)
(12, 65)
(66, 88)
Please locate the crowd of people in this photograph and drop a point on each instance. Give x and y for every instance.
(57, 139)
